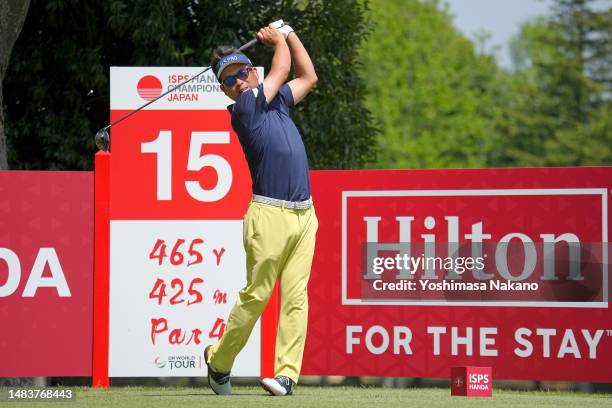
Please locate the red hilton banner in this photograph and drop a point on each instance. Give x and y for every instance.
(518, 278)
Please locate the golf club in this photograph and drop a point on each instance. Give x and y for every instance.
(102, 138)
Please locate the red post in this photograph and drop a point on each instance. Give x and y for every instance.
(269, 326)
(101, 270)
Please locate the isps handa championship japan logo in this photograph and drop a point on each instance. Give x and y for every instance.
(149, 87)
(178, 87)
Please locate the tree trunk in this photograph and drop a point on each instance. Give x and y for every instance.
(12, 16)
(3, 152)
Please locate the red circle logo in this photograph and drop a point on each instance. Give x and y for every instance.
(149, 87)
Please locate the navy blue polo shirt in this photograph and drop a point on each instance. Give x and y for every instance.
(272, 144)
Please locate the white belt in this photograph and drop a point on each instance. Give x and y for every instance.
(293, 205)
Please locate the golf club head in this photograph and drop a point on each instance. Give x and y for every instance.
(103, 139)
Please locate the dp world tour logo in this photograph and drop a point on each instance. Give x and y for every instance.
(149, 87)
(159, 362)
(178, 362)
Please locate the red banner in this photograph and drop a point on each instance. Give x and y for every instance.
(561, 330)
(536, 308)
(46, 253)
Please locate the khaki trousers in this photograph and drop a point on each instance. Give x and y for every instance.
(279, 243)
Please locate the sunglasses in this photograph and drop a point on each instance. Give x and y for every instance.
(242, 74)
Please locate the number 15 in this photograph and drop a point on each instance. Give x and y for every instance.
(162, 147)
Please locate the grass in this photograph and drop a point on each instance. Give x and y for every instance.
(307, 396)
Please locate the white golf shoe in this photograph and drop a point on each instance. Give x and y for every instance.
(279, 386)
(219, 382)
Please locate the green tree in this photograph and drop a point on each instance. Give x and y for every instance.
(561, 92)
(57, 83)
(431, 94)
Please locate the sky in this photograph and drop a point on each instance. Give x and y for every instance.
(500, 18)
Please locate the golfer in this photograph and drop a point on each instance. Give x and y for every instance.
(280, 223)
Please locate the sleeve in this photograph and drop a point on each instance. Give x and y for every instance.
(250, 108)
(286, 97)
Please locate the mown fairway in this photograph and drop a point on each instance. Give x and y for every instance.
(307, 396)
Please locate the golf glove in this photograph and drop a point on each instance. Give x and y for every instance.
(286, 30)
(283, 28)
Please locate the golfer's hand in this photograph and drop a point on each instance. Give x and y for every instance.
(270, 36)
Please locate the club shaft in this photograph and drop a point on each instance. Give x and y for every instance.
(247, 45)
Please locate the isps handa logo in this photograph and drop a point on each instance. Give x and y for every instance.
(472, 381)
(149, 87)
(178, 362)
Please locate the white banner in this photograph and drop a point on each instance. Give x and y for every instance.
(132, 87)
(177, 257)
(162, 315)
